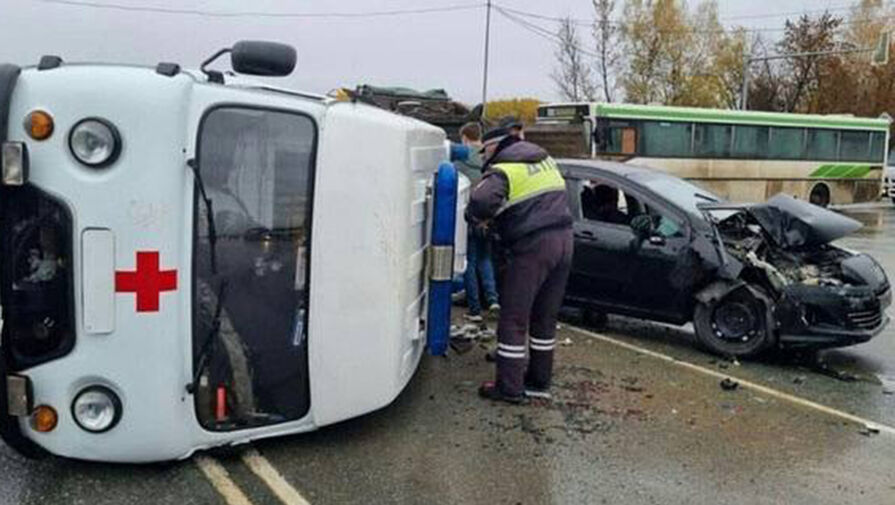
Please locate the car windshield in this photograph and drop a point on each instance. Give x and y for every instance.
(678, 191)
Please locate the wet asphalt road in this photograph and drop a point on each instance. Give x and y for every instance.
(623, 427)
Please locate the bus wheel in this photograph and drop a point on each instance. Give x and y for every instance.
(820, 195)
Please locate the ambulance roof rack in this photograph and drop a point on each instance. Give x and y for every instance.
(167, 69)
(49, 62)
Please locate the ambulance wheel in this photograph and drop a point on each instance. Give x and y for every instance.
(240, 392)
(735, 325)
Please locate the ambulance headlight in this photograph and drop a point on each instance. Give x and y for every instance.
(95, 142)
(96, 409)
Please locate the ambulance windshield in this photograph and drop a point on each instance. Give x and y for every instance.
(257, 168)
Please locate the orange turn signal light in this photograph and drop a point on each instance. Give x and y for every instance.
(39, 125)
(44, 418)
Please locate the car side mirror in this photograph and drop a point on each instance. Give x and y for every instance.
(252, 57)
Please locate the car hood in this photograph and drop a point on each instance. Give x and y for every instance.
(793, 223)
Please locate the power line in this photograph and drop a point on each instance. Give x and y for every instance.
(729, 29)
(261, 14)
(621, 25)
(541, 31)
(589, 23)
(786, 14)
(553, 37)
(584, 21)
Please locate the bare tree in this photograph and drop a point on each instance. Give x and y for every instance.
(606, 35)
(573, 76)
(806, 35)
(766, 86)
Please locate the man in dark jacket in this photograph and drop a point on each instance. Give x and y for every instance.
(523, 194)
(478, 244)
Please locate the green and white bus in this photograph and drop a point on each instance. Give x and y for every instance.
(741, 155)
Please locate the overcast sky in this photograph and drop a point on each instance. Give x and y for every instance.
(441, 49)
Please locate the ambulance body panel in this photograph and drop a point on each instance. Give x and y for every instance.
(384, 293)
(366, 328)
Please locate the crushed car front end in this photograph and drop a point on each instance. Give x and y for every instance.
(824, 295)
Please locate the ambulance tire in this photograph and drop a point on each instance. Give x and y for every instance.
(240, 388)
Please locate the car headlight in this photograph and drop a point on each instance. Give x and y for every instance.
(96, 409)
(95, 142)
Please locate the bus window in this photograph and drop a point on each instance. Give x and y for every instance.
(750, 142)
(854, 146)
(877, 146)
(821, 144)
(712, 140)
(786, 143)
(666, 138)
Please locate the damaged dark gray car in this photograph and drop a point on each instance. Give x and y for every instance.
(751, 277)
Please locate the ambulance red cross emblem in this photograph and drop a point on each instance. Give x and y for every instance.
(148, 281)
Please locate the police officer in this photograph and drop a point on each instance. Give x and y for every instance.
(514, 126)
(523, 193)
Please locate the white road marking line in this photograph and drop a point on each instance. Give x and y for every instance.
(220, 479)
(261, 467)
(882, 428)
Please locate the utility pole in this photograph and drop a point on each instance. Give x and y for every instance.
(747, 61)
(485, 70)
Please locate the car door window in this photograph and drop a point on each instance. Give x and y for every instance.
(666, 225)
(605, 203)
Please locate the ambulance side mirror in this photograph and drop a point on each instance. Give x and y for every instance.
(252, 57)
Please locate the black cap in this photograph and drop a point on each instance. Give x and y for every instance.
(509, 122)
(496, 132)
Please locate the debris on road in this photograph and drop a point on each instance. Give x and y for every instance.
(869, 431)
(566, 342)
(823, 368)
(729, 385)
(800, 379)
(462, 345)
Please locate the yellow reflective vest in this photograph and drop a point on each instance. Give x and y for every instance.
(528, 180)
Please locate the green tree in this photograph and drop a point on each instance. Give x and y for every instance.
(678, 57)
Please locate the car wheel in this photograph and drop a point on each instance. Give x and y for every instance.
(734, 325)
(893, 199)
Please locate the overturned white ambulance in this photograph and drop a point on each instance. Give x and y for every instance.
(187, 263)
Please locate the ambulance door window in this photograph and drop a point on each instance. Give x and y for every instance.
(251, 272)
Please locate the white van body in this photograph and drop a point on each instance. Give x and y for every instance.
(365, 287)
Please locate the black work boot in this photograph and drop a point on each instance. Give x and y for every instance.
(491, 391)
(535, 389)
